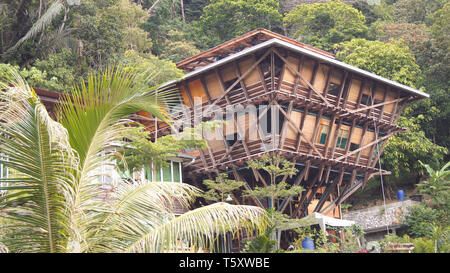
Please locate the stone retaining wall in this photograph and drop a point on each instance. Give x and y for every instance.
(377, 217)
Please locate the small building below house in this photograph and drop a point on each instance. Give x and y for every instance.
(378, 220)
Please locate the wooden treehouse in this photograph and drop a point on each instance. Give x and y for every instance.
(332, 120)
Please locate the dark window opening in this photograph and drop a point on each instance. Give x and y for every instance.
(227, 84)
(265, 66)
(366, 100)
(266, 121)
(354, 146)
(231, 139)
(278, 66)
(378, 102)
(333, 89)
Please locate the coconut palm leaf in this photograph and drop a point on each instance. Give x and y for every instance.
(94, 115)
(199, 228)
(141, 205)
(37, 150)
(46, 19)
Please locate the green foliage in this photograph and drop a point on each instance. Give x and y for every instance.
(440, 66)
(62, 66)
(413, 11)
(373, 13)
(423, 245)
(261, 244)
(177, 48)
(74, 40)
(438, 242)
(107, 28)
(276, 166)
(438, 185)
(390, 60)
(325, 24)
(392, 239)
(223, 20)
(324, 242)
(221, 187)
(141, 64)
(420, 220)
(415, 36)
(35, 77)
(142, 151)
(274, 191)
(403, 151)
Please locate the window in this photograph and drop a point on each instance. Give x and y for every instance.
(176, 167)
(157, 172)
(170, 173)
(148, 172)
(354, 146)
(323, 133)
(231, 139)
(342, 139)
(266, 119)
(378, 102)
(333, 89)
(366, 100)
(167, 173)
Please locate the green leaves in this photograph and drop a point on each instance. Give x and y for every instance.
(389, 60)
(220, 187)
(324, 24)
(223, 20)
(142, 151)
(275, 165)
(438, 185)
(36, 150)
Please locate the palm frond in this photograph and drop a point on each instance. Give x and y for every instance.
(199, 228)
(37, 150)
(46, 19)
(138, 208)
(94, 115)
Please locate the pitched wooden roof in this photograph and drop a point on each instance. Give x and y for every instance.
(235, 45)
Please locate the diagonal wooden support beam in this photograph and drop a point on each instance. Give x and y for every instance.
(238, 177)
(349, 190)
(302, 204)
(325, 196)
(374, 106)
(299, 131)
(366, 146)
(238, 80)
(293, 70)
(297, 182)
(285, 125)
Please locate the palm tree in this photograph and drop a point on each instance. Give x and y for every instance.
(54, 201)
(44, 20)
(438, 184)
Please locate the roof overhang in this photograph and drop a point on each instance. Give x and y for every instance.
(307, 52)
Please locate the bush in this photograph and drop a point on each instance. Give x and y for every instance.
(419, 222)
